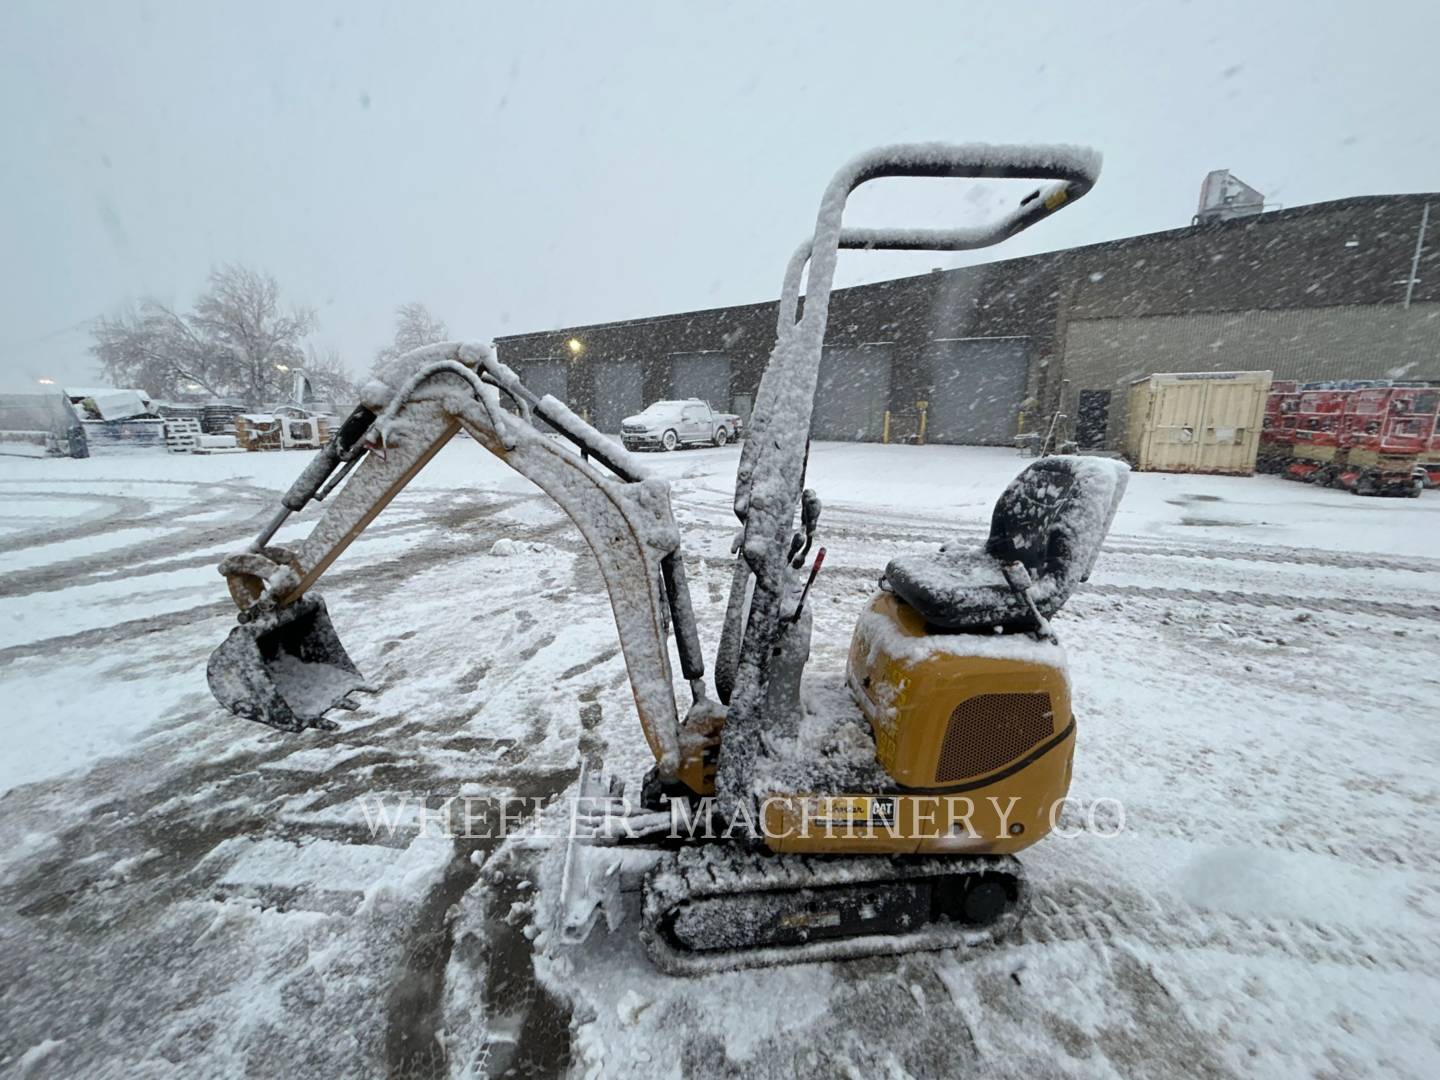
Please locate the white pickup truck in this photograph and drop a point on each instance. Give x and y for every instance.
(670, 424)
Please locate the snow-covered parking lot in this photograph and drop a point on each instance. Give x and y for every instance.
(182, 893)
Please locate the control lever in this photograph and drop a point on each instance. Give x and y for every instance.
(809, 518)
(1023, 585)
(819, 558)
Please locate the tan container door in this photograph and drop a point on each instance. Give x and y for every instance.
(1200, 425)
(1171, 440)
(1229, 436)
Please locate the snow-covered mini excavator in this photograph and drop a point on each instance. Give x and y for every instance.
(875, 810)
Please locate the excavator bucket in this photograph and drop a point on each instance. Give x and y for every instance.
(286, 668)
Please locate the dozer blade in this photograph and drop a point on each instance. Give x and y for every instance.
(285, 669)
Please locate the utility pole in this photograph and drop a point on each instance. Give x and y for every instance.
(1419, 247)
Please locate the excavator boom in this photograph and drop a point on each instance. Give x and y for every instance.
(284, 665)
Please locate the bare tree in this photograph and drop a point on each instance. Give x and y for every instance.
(330, 378)
(241, 314)
(414, 327)
(155, 349)
(237, 342)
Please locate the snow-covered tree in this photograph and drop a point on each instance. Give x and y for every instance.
(414, 327)
(330, 379)
(242, 316)
(239, 341)
(154, 348)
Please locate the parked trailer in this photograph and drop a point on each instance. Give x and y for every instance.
(1202, 422)
(1316, 455)
(1384, 432)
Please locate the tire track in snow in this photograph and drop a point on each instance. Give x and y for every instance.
(399, 760)
(377, 579)
(120, 508)
(139, 510)
(1154, 822)
(1222, 597)
(1075, 913)
(123, 634)
(172, 548)
(1343, 605)
(873, 527)
(169, 550)
(1344, 560)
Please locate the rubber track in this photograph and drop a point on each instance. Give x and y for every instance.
(697, 873)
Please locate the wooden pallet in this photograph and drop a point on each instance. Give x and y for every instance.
(182, 434)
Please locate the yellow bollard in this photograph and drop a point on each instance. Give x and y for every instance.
(885, 434)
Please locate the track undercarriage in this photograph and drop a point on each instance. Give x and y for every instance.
(709, 901)
(716, 908)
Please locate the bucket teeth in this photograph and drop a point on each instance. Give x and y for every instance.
(285, 669)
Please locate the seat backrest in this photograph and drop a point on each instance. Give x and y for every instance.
(1053, 517)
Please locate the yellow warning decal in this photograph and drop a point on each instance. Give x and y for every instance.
(808, 920)
(853, 809)
(1056, 198)
(843, 808)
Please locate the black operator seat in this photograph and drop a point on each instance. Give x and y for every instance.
(1053, 517)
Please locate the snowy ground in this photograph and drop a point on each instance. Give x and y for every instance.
(186, 894)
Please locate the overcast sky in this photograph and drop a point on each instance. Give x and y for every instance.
(522, 167)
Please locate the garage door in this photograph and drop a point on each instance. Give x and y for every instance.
(852, 394)
(619, 392)
(977, 386)
(543, 377)
(701, 375)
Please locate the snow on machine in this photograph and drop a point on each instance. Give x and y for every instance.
(874, 810)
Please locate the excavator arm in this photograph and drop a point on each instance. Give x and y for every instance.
(283, 664)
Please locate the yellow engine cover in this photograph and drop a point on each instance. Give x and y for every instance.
(979, 716)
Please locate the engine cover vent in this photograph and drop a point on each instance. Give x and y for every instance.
(991, 730)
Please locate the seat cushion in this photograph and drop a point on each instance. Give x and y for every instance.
(958, 590)
(1053, 518)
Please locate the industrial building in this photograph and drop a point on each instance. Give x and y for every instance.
(1334, 290)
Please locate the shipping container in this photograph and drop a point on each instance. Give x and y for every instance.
(1202, 422)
